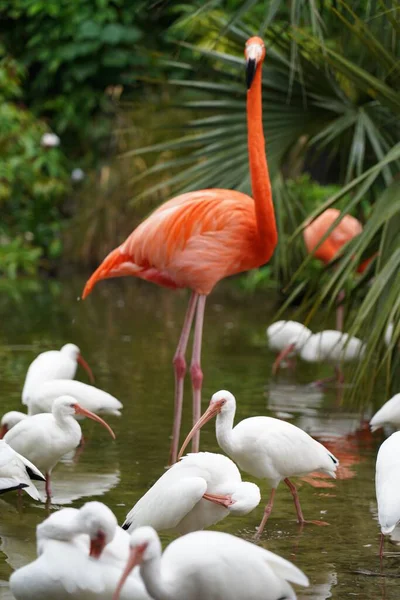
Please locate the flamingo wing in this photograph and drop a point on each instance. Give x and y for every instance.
(192, 241)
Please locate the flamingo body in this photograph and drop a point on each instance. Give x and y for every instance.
(16, 472)
(192, 241)
(212, 565)
(388, 414)
(53, 364)
(282, 334)
(332, 346)
(88, 396)
(176, 500)
(348, 228)
(387, 483)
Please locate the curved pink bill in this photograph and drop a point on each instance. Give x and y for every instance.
(135, 558)
(79, 410)
(97, 545)
(3, 431)
(84, 364)
(281, 356)
(211, 412)
(219, 499)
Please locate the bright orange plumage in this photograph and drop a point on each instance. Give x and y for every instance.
(192, 241)
(348, 228)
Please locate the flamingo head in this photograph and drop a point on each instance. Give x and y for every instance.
(144, 546)
(254, 53)
(221, 402)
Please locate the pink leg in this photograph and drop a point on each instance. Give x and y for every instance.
(295, 495)
(340, 311)
(47, 486)
(267, 512)
(195, 368)
(179, 363)
(381, 545)
(300, 519)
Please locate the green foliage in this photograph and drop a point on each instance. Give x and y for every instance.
(33, 181)
(74, 53)
(331, 107)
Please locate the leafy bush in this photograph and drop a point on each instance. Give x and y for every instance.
(33, 181)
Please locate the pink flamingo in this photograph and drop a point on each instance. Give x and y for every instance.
(196, 239)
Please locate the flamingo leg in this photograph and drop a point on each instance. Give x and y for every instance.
(195, 368)
(47, 486)
(179, 363)
(267, 512)
(340, 311)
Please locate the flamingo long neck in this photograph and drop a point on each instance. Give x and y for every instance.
(156, 584)
(260, 181)
(223, 429)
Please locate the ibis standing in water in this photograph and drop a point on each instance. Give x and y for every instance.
(195, 493)
(286, 338)
(267, 448)
(387, 485)
(53, 364)
(45, 438)
(209, 565)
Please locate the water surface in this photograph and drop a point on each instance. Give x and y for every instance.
(127, 330)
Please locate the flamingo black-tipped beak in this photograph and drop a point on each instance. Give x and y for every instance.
(251, 65)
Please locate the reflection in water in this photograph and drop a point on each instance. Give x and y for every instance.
(127, 332)
(320, 589)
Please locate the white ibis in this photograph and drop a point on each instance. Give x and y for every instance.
(9, 420)
(16, 472)
(333, 347)
(45, 438)
(88, 396)
(267, 448)
(209, 565)
(387, 484)
(286, 338)
(388, 414)
(76, 568)
(195, 493)
(54, 364)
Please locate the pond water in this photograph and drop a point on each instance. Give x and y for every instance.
(127, 330)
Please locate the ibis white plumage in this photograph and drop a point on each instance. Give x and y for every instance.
(88, 396)
(45, 438)
(195, 493)
(286, 338)
(73, 562)
(16, 472)
(266, 448)
(388, 414)
(53, 364)
(209, 565)
(9, 420)
(387, 485)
